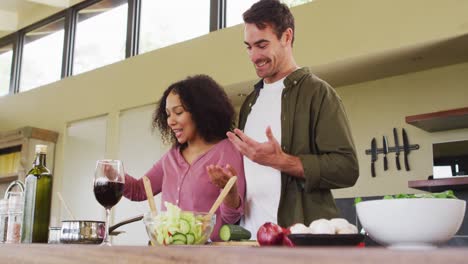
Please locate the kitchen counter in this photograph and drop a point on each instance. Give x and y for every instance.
(82, 254)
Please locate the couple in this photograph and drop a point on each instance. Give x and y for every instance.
(295, 146)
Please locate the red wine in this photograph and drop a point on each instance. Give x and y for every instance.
(108, 193)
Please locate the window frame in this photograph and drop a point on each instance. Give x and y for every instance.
(6, 41)
(70, 16)
(18, 59)
(87, 3)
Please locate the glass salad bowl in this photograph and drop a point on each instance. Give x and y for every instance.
(176, 227)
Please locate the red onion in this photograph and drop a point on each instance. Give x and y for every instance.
(270, 234)
(287, 242)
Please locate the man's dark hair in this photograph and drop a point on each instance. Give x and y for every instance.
(270, 12)
(210, 107)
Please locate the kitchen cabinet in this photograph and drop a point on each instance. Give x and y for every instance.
(440, 121)
(17, 152)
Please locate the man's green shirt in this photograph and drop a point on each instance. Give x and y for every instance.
(314, 127)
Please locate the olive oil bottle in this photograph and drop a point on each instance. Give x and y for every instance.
(37, 201)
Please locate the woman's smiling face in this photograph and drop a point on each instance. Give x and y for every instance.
(180, 120)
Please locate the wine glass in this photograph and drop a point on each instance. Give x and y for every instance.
(109, 179)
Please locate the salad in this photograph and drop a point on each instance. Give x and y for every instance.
(442, 195)
(177, 227)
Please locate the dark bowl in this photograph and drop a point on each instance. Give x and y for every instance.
(326, 240)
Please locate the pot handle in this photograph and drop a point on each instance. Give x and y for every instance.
(128, 221)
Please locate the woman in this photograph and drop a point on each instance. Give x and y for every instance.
(194, 114)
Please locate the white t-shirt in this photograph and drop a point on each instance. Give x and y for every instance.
(263, 184)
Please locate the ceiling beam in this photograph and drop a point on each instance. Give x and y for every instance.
(8, 21)
(53, 3)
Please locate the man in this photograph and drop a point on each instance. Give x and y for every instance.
(296, 143)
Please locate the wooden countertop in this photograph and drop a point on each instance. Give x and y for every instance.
(52, 254)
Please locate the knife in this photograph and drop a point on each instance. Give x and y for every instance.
(397, 148)
(406, 149)
(385, 151)
(373, 156)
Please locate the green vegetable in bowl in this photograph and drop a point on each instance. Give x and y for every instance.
(443, 195)
(178, 227)
(357, 200)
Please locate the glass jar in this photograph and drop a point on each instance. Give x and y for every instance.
(54, 235)
(15, 217)
(3, 220)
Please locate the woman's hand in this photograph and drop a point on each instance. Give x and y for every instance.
(219, 176)
(110, 172)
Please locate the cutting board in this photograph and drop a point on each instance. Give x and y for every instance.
(250, 243)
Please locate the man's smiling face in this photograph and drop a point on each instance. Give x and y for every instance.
(266, 51)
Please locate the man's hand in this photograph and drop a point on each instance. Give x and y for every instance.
(268, 153)
(265, 153)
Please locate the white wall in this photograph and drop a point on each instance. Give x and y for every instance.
(139, 149)
(84, 144)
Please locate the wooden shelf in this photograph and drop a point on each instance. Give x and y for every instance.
(440, 121)
(28, 132)
(440, 185)
(24, 140)
(7, 178)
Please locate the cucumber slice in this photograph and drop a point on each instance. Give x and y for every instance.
(179, 237)
(184, 226)
(173, 229)
(178, 242)
(189, 217)
(233, 232)
(190, 238)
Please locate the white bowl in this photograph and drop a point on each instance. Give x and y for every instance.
(411, 223)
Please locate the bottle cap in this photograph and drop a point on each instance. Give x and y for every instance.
(42, 149)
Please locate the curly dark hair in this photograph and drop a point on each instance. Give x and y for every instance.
(210, 107)
(270, 12)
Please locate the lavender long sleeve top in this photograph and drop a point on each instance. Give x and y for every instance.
(188, 185)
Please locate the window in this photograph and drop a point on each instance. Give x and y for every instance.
(167, 22)
(6, 56)
(42, 55)
(235, 9)
(100, 35)
(292, 3)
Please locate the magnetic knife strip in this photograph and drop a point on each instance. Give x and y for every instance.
(392, 149)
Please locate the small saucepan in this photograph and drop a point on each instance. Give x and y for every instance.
(89, 232)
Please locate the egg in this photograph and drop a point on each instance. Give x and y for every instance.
(339, 223)
(350, 229)
(342, 226)
(300, 229)
(322, 226)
